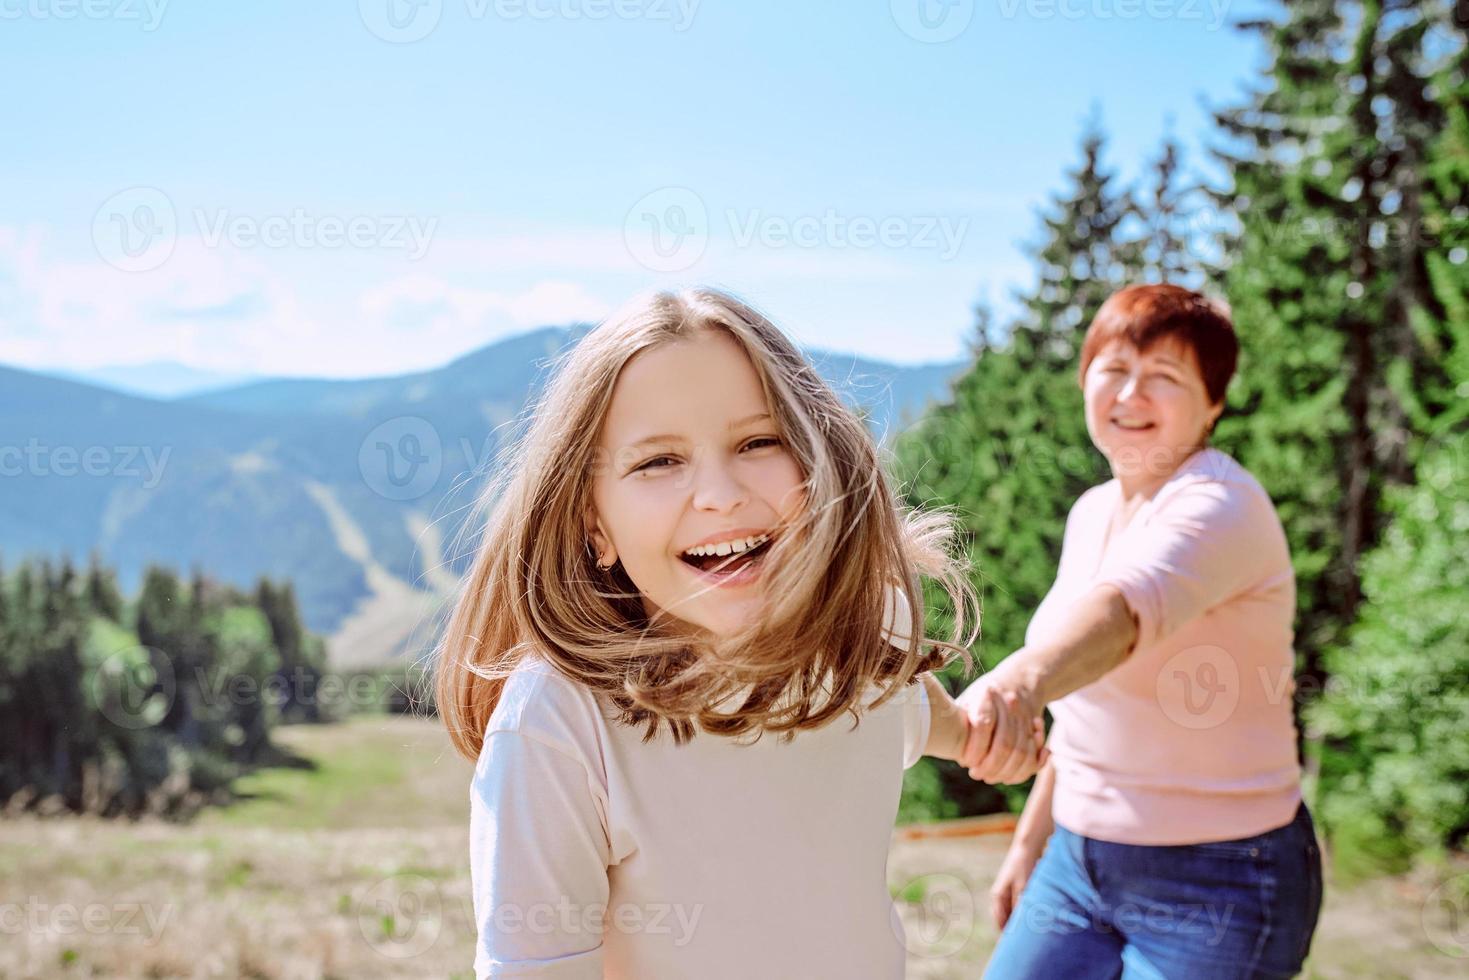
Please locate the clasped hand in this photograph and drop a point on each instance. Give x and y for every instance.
(1006, 740)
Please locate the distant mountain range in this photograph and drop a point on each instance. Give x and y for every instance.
(355, 490)
(156, 379)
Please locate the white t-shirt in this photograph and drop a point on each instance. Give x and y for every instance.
(594, 854)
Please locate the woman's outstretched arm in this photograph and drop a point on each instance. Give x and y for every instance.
(1097, 636)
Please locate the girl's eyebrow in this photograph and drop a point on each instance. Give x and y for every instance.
(737, 424)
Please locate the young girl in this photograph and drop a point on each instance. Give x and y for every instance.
(692, 567)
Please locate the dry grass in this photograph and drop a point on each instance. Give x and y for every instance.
(358, 868)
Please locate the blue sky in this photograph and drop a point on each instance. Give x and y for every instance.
(321, 188)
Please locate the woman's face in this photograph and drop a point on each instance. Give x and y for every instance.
(1147, 411)
(689, 454)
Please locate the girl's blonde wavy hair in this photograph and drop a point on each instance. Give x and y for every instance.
(535, 586)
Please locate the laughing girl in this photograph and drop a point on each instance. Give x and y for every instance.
(684, 663)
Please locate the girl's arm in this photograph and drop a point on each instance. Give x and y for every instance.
(538, 860)
(948, 725)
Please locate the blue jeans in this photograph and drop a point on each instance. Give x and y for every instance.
(1237, 908)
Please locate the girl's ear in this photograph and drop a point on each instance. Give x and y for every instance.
(604, 553)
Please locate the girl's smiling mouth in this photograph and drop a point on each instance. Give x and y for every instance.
(735, 562)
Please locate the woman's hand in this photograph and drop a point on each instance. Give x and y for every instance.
(1007, 734)
(955, 732)
(1014, 872)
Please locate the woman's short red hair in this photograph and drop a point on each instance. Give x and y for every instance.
(1145, 315)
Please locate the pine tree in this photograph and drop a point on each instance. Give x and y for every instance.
(1396, 776)
(1166, 213)
(299, 671)
(1083, 258)
(102, 593)
(1324, 159)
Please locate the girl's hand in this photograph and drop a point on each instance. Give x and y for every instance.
(1015, 871)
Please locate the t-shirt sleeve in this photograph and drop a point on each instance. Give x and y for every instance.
(538, 861)
(916, 722)
(1206, 543)
(914, 697)
(896, 612)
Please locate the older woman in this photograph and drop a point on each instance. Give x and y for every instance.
(1166, 835)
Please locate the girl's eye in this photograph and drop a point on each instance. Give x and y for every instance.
(663, 462)
(649, 465)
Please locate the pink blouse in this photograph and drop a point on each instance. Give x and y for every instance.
(1191, 738)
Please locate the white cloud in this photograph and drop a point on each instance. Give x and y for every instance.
(431, 310)
(353, 313)
(233, 310)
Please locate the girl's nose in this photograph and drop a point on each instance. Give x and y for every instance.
(717, 489)
(1130, 388)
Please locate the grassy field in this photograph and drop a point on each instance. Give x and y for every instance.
(356, 867)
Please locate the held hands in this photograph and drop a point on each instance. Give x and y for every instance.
(1006, 741)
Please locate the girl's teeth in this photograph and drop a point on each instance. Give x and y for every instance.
(727, 547)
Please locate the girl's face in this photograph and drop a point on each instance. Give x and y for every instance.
(689, 454)
(1147, 410)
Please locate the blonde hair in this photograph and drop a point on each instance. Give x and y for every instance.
(535, 585)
